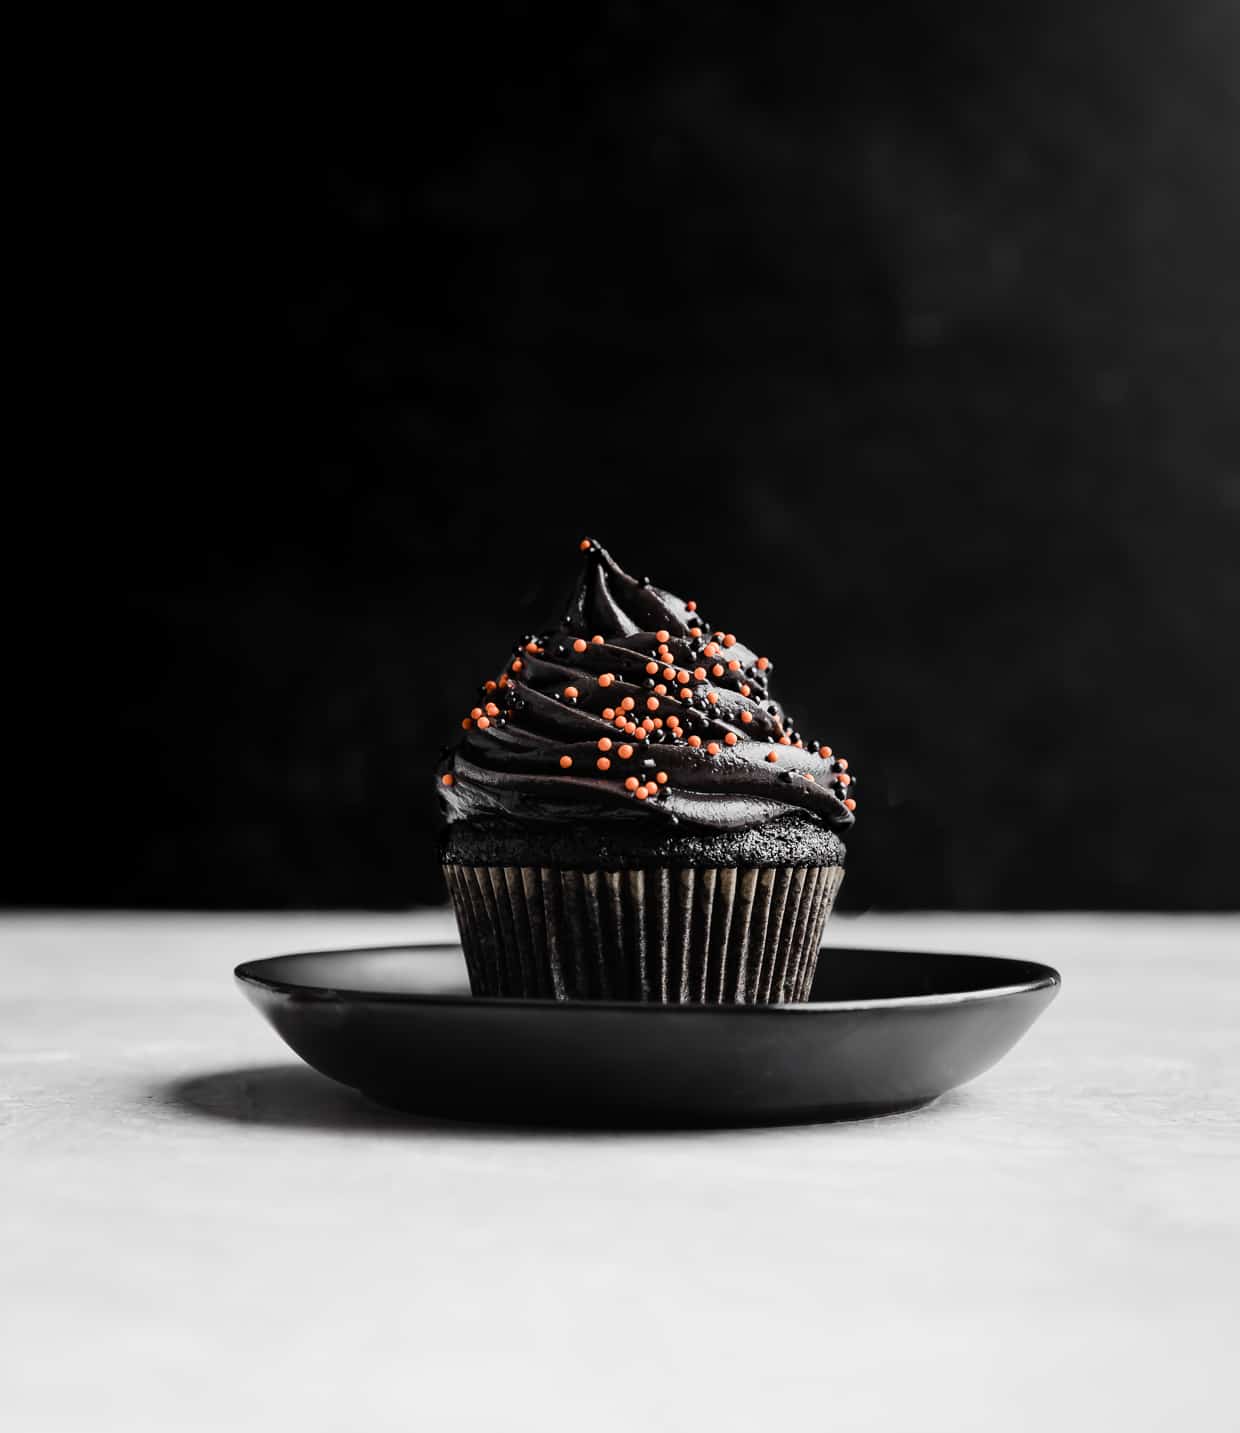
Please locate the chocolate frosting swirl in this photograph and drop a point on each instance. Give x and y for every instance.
(716, 750)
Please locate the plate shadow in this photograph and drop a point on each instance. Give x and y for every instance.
(292, 1096)
(288, 1096)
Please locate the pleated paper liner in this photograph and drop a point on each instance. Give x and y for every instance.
(747, 935)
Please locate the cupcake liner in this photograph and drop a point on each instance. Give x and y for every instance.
(722, 935)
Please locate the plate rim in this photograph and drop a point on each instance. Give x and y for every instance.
(246, 975)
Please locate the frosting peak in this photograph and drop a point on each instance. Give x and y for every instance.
(607, 600)
(634, 707)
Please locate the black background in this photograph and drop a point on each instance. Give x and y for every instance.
(907, 342)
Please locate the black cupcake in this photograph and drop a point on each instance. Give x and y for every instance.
(631, 816)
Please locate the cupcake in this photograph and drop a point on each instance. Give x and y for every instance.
(630, 814)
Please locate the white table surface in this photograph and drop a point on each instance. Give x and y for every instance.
(198, 1233)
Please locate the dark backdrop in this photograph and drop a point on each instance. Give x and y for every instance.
(906, 341)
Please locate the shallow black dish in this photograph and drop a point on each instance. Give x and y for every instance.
(886, 1030)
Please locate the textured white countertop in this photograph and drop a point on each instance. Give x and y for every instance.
(196, 1232)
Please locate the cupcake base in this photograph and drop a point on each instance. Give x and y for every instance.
(744, 935)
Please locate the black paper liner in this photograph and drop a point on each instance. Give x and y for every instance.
(745, 935)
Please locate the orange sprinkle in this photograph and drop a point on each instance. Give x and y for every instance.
(639, 733)
(630, 727)
(647, 723)
(690, 606)
(695, 631)
(712, 697)
(625, 752)
(631, 783)
(746, 717)
(844, 779)
(695, 741)
(668, 674)
(734, 665)
(664, 652)
(603, 763)
(850, 803)
(584, 545)
(809, 776)
(682, 678)
(651, 668)
(621, 721)
(532, 647)
(712, 748)
(842, 764)
(517, 665)
(652, 704)
(579, 645)
(744, 689)
(763, 663)
(659, 691)
(627, 704)
(710, 650)
(716, 670)
(641, 793)
(466, 723)
(685, 693)
(656, 724)
(719, 635)
(662, 635)
(492, 709)
(652, 788)
(824, 752)
(606, 679)
(476, 713)
(488, 686)
(598, 641)
(503, 679)
(483, 723)
(566, 762)
(673, 722)
(609, 713)
(785, 741)
(799, 743)
(772, 756)
(661, 777)
(571, 692)
(729, 739)
(604, 743)
(447, 778)
(700, 673)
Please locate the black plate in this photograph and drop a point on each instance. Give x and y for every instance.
(886, 1030)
